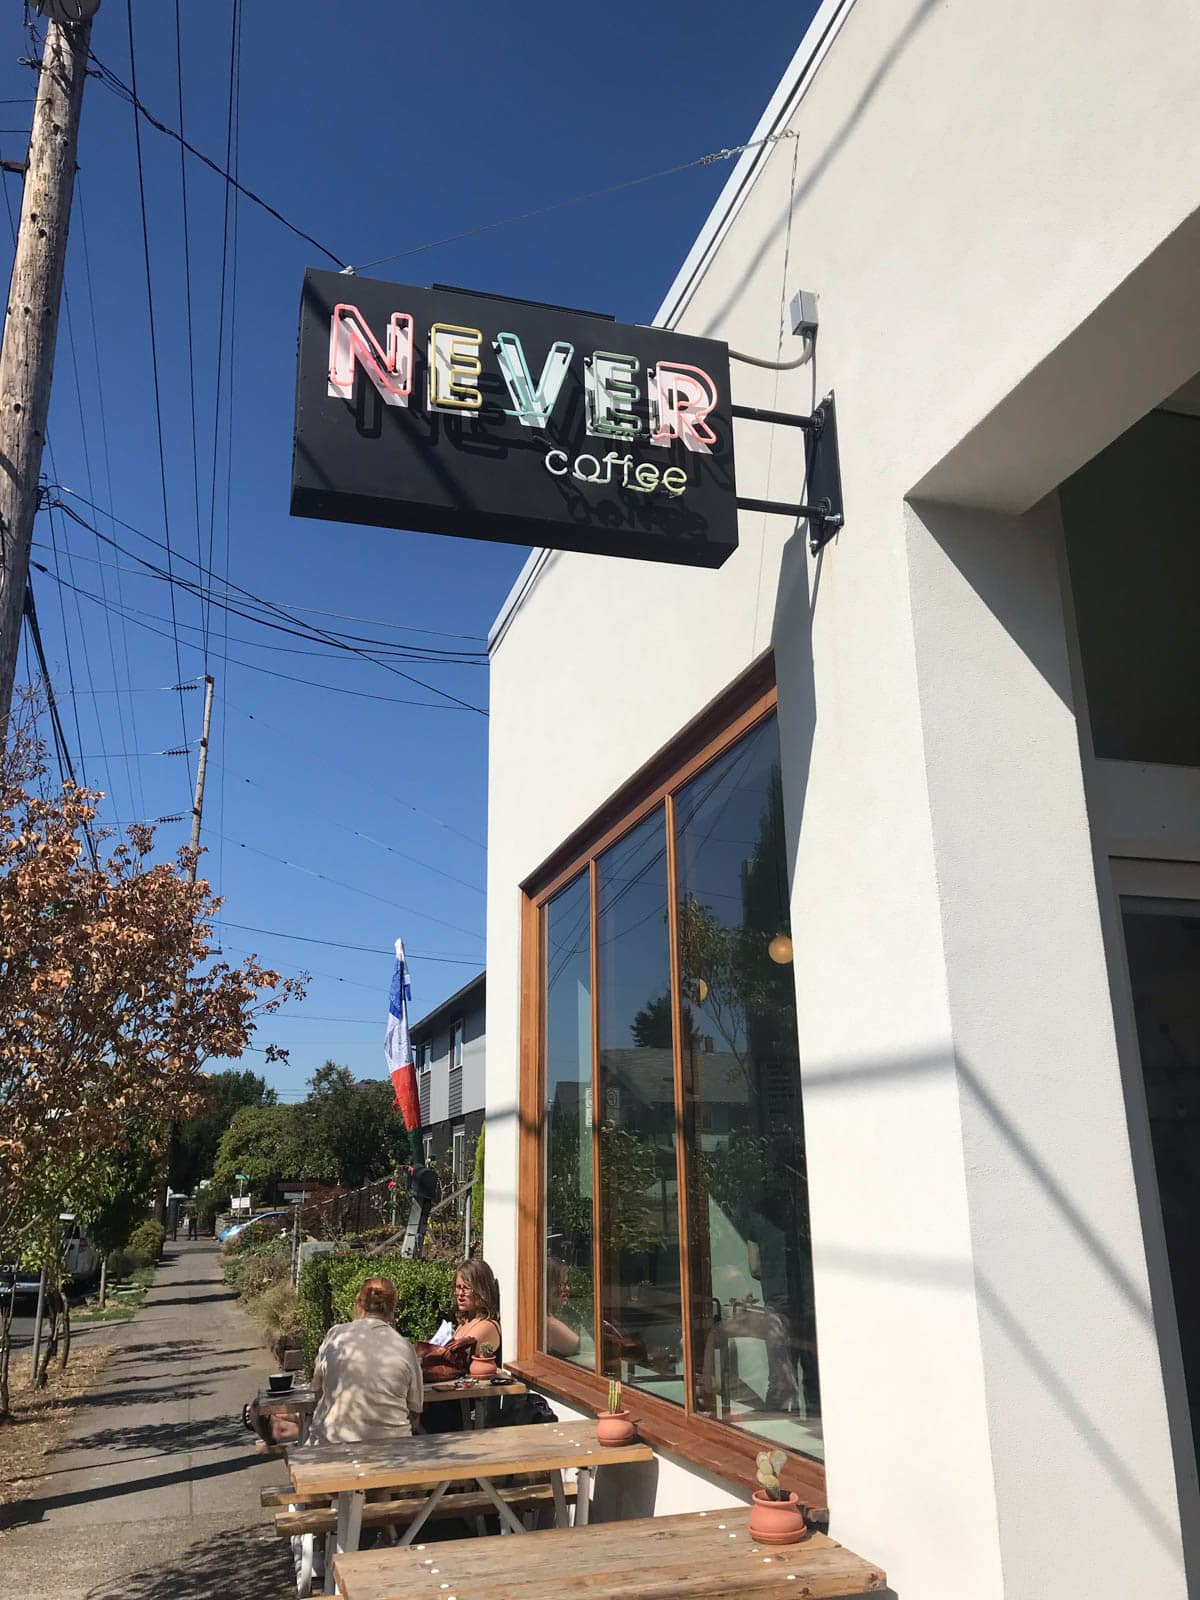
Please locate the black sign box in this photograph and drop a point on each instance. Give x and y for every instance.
(469, 414)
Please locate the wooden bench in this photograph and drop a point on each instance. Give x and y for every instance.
(702, 1555)
(319, 1517)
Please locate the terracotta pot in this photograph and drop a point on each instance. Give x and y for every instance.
(482, 1368)
(614, 1427)
(776, 1521)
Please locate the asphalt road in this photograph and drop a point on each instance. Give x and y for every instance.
(23, 1321)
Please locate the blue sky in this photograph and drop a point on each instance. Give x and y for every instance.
(375, 127)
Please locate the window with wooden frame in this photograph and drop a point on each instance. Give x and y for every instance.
(664, 1201)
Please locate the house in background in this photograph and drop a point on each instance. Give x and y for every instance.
(448, 1049)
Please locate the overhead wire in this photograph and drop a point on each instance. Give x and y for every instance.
(363, 949)
(278, 611)
(162, 457)
(408, 805)
(269, 672)
(353, 888)
(187, 297)
(357, 833)
(128, 92)
(102, 410)
(150, 569)
(112, 651)
(235, 16)
(232, 210)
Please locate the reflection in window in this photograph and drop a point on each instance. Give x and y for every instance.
(568, 1144)
(1162, 941)
(726, 1021)
(754, 1354)
(642, 1329)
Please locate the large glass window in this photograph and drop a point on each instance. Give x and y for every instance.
(692, 1167)
(569, 1327)
(642, 1330)
(754, 1354)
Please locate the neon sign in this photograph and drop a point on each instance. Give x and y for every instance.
(449, 412)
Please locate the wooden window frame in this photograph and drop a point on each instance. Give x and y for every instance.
(720, 1448)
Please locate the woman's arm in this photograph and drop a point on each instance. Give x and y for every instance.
(560, 1340)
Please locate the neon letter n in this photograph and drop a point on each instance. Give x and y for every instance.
(351, 340)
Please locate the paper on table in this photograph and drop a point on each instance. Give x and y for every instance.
(444, 1335)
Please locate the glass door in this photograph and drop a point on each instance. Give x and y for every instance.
(1160, 914)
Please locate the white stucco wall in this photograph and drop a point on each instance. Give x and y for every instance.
(996, 207)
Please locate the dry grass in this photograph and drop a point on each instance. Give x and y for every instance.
(40, 1419)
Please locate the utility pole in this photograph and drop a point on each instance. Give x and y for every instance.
(160, 1199)
(31, 320)
(201, 770)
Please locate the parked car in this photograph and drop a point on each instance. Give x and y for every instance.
(80, 1256)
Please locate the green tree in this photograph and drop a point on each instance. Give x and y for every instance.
(352, 1127)
(265, 1143)
(194, 1150)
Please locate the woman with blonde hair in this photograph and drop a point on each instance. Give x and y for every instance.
(477, 1306)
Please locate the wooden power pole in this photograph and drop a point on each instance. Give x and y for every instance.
(31, 320)
(201, 770)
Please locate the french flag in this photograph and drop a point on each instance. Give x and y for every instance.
(397, 1045)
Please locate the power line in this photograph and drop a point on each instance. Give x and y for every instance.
(253, 716)
(357, 833)
(340, 883)
(187, 292)
(234, 37)
(253, 666)
(93, 323)
(577, 199)
(268, 605)
(363, 949)
(62, 749)
(162, 457)
(420, 654)
(128, 93)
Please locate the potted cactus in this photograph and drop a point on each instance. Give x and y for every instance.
(777, 1517)
(483, 1362)
(614, 1426)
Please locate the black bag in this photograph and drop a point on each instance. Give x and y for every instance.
(518, 1410)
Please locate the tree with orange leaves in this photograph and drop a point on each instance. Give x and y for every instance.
(110, 999)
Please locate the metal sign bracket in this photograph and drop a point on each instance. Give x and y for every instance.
(824, 511)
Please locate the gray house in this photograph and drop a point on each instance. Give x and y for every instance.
(448, 1046)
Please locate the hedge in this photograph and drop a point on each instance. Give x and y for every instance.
(329, 1284)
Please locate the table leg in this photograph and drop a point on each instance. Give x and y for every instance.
(583, 1496)
(328, 1586)
(349, 1526)
(562, 1518)
(302, 1420)
(422, 1516)
(478, 1413)
(466, 1408)
(509, 1523)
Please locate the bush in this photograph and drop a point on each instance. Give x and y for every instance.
(265, 1263)
(262, 1273)
(147, 1239)
(124, 1263)
(314, 1305)
(424, 1289)
(329, 1283)
(276, 1310)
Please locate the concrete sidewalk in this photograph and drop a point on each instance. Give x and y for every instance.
(155, 1494)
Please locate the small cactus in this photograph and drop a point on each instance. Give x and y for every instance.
(614, 1397)
(770, 1465)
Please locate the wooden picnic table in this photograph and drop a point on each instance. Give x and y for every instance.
(436, 1461)
(702, 1555)
(471, 1393)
